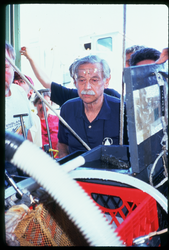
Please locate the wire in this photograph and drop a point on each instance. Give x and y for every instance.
(164, 141)
(141, 240)
(161, 182)
(153, 167)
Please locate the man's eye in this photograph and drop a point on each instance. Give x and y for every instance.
(94, 80)
(81, 80)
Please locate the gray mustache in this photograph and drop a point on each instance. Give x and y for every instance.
(89, 92)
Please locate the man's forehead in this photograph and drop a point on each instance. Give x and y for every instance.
(90, 69)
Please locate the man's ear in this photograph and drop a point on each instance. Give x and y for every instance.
(106, 83)
(75, 83)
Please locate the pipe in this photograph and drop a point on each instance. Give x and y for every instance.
(46, 121)
(11, 181)
(123, 65)
(123, 178)
(22, 123)
(71, 197)
(43, 99)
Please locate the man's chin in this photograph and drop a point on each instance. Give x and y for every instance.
(87, 97)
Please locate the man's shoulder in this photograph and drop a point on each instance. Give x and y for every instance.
(72, 102)
(111, 99)
(71, 106)
(19, 95)
(16, 89)
(112, 92)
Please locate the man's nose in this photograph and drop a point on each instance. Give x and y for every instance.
(87, 84)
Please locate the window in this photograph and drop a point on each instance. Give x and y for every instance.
(104, 43)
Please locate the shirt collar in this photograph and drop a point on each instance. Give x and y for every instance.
(104, 113)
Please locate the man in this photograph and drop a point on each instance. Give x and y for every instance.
(144, 56)
(94, 116)
(16, 101)
(36, 128)
(53, 121)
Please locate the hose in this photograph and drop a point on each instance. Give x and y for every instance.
(70, 196)
(123, 178)
(74, 163)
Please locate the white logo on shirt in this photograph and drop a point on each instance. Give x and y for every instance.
(107, 141)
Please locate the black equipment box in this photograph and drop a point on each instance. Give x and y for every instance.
(144, 112)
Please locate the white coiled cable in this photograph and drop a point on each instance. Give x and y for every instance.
(71, 197)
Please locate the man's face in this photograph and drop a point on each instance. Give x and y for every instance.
(89, 82)
(9, 75)
(40, 107)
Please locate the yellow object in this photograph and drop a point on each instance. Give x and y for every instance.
(54, 150)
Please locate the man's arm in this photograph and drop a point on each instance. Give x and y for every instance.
(61, 94)
(41, 76)
(163, 57)
(63, 149)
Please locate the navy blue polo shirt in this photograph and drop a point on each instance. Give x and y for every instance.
(106, 124)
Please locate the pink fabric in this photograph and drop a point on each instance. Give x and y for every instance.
(53, 122)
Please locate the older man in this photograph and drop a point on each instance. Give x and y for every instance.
(94, 116)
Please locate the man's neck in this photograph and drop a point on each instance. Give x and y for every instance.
(92, 109)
